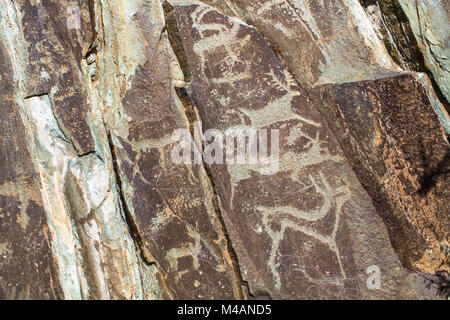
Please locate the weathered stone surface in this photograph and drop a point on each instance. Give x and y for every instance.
(27, 266)
(94, 206)
(172, 205)
(401, 33)
(413, 129)
(53, 53)
(74, 207)
(401, 154)
(296, 232)
(393, 28)
(327, 27)
(343, 43)
(429, 23)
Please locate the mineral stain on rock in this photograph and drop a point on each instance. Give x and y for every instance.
(93, 205)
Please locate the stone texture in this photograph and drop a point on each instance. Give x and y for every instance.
(428, 20)
(403, 153)
(27, 266)
(92, 205)
(172, 205)
(364, 131)
(53, 58)
(328, 27)
(308, 214)
(74, 207)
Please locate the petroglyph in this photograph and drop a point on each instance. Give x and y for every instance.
(99, 200)
(291, 217)
(287, 110)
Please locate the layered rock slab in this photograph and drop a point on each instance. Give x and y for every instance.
(171, 206)
(56, 37)
(341, 43)
(429, 23)
(28, 270)
(303, 231)
(366, 59)
(401, 154)
(111, 216)
(416, 41)
(92, 254)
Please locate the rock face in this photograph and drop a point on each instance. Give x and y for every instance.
(426, 19)
(112, 112)
(368, 102)
(405, 158)
(28, 268)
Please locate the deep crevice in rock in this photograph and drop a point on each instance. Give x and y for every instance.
(188, 105)
(429, 180)
(235, 262)
(175, 39)
(131, 223)
(37, 95)
(89, 153)
(405, 50)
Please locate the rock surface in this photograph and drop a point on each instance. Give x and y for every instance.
(413, 36)
(428, 21)
(377, 118)
(94, 206)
